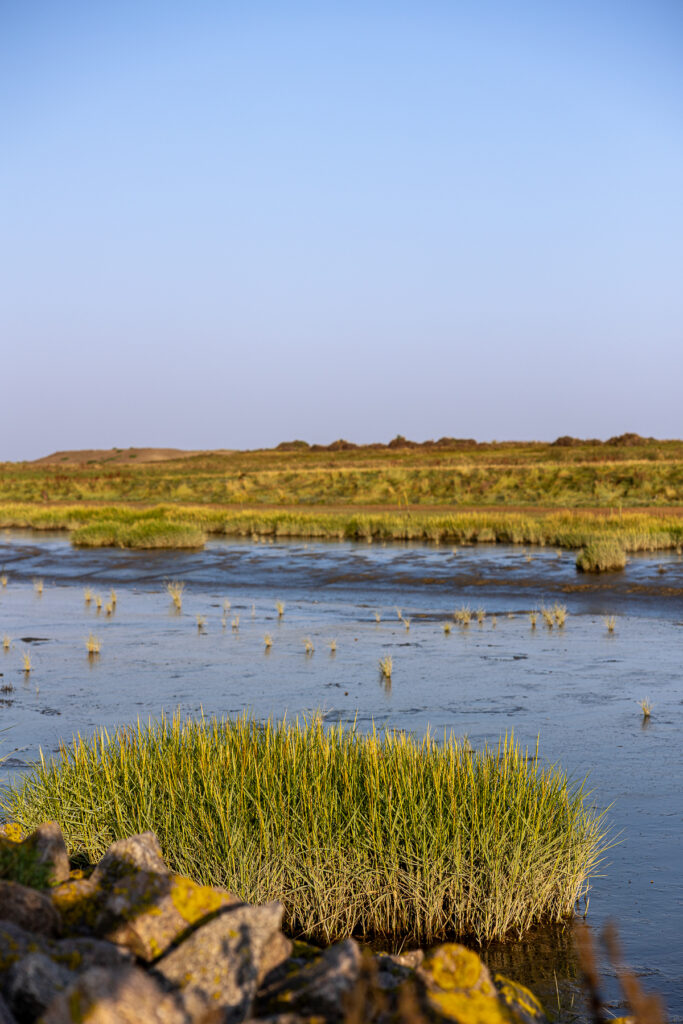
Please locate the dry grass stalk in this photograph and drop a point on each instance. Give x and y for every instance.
(610, 621)
(38, 586)
(175, 591)
(386, 666)
(26, 658)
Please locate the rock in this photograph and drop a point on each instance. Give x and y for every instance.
(145, 911)
(321, 987)
(39, 861)
(126, 856)
(522, 1003)
(32, 984)
(28, 908)
(123, 996)
(6, 1016)
(456, 986)
(219, 965)
(76, 954)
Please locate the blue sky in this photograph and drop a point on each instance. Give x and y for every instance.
(227, 225)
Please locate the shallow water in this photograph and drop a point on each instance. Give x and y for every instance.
(578, 687)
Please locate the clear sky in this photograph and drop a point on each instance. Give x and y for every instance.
(231, 224)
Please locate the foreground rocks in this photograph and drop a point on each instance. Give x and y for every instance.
(134, 943)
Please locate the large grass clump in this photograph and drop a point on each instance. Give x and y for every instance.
(388, 838)
(142, 533)
(605, 554)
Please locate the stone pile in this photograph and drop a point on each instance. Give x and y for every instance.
(134, 943)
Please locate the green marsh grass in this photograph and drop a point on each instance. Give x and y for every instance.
(604, 555)
(385, 837)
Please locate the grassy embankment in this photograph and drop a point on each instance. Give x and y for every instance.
(387, 838)
(561, 496)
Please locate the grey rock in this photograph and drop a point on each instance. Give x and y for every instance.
(6, 1015)
(136, 853)
(28, 908)
(32, 984)
(218, 967)
(48, 844)
(322, 986)
(120, 996)
(77, 954)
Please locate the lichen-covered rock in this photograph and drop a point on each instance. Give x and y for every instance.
(122, 996)
(76, 954)
(145, 911)
(28, 908)
(219, 965)
(40, 860)
(321, 986)
(458, 987)
(12, 830)
(523, 1004)
(32, 984)
(126, 856)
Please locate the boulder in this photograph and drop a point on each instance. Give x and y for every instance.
(126, 856)
(29, 908)
(322, 986)
(32, 983)
(76, 954)
(218, 967)
(124, 995)
(456, 986)
(39, 861)
(6, 1015)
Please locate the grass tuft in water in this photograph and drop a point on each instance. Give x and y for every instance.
(606, 555)
(646, 707)
(175, 592)
(610, 621)
(386, 666)
(92, 645)
(381, 836)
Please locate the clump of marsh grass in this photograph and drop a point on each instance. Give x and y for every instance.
(481, 615)
(391, 838)
(3, 579)
(92, 645)
(201, 623)
(463, 615)
(494, 621)
(386, 666)
(406, 622)
(333, 646)
(38, 586)
(610, 621)
(378, 617)
(308, 647)
(560, 613)
(267, 641)
(602, 555)
(98, 603)
(399, 613)
(27, 664)
(446, 628)
(646, 707)
(87, 595)
(226, 607)
(548, 616)
(235, 624)
(175, 592)
(533, 618)
(113, 597)
(280, 608)
(6, 643)
(109, 608)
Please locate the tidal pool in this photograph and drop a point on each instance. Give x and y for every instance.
(578, 688)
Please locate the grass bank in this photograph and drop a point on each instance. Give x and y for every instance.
(187, 525)
(387, 838)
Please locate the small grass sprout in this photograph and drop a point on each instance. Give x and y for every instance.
(26, 659)
(548, 616)
(446, 628)
(378, 617)
(533, 618)
(406, 622)
(38, 586)
(333, 646)
(112, 597)
(610, 621)
(235, 624)
(280, 608)
(494, 621)
(3, 579)
(98, 602)
(267, 641)
(109, 608)
(481, 615)
(399, 613)
(646, 707)
(87, 595)
(386, 666)
(93, 645)
(175, 592)
(308, 646)
(201, 623)
(226, 607)
(6, 643)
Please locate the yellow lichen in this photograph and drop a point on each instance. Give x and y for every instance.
(452, 966)
(13, 831)
(469, 1007)
(518, 998)
(194, 902)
